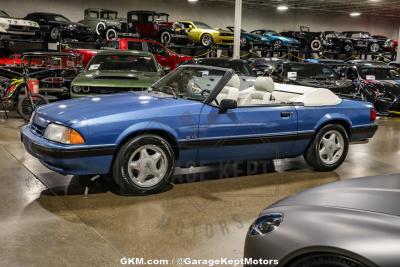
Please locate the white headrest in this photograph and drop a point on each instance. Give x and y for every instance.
(264, 84)
(234, 81)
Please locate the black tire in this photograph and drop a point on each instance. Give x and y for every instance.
(348, 47)
(165, 37)
(316, 45)
(374, 48)
(313, 157)
(277, 45)
(121, 174)
(25, 108)
(101, 28)
(111, 34)
(326, 260)
(206, 40)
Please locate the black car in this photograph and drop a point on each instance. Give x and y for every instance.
(310, 41)
(339, 66)
(55, 27)
(313, 75)
(363, 41)
(378, 84)
(240, 66)
(264, 66)
(336, 42)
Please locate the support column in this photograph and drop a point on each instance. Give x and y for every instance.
(238, 27)
(397, 48)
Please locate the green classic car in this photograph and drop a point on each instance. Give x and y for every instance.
(105, 22)
(117, 71)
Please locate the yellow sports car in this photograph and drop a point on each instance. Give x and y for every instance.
(201, 33)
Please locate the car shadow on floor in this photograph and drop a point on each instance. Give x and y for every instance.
(84, 185)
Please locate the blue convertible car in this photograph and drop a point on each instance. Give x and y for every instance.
(195, 115)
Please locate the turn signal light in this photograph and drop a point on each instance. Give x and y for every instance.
(75, 138)
(372, 114)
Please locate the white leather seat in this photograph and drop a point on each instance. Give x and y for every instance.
(263, 88)
(231, 89)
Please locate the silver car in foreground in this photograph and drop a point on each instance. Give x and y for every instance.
(349, 223)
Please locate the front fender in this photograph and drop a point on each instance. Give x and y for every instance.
(146, 126)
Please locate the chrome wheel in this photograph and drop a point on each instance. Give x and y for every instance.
(331, 147)
(206, 39)
(278, 44)
(111, 35)
(374, 47)
(348, 48)
(100, 28)
(147, 166)
(54, 33)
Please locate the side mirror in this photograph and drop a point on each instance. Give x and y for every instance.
(227, 104)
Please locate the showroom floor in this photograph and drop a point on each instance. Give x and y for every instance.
(52, 220)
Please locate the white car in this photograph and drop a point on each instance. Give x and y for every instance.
(12, 27)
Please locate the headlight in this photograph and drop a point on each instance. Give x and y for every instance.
(266, 224)
(76, 89)
(62, 134)
(86, 89)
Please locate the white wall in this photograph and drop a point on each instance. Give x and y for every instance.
(215, 14)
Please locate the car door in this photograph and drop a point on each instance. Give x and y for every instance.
(246, 133)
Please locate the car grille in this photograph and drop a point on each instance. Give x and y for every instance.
(22, 28)
(226, 34)
(109, 90)
(39, 130)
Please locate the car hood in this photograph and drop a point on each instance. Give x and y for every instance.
(379, 194)
(19, 22)
(86, 108)
(116, 78)
(287, 39)
(251, 35)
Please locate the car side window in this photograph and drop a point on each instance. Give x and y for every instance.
(93, 14)
(156, 49)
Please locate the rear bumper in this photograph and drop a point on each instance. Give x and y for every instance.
(362, 133)
(64, 159)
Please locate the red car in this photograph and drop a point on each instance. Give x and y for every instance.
(155, 25)
(86, 54)
(164, 56)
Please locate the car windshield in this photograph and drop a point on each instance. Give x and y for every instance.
(195, 83)
(201, 25)
(240, 68)
(3, 14)
(272, 33)
(371, 73)
(339, 34)
(56, 17)
(310, 71)
(108, 15)
(122, 63)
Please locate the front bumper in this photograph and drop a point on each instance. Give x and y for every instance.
(362, 133)
(67, 159)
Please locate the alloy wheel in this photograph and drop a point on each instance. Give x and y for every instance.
(147, 166)
(331, 147)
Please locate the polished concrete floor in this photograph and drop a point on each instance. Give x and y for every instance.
(51, 220)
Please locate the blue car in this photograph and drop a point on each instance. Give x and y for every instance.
(277, 41)
(195, 115)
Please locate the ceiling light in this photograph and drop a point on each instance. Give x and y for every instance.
(192, 1)
(282, 8)
(355, 14)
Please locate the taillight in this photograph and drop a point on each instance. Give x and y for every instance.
(372, 114)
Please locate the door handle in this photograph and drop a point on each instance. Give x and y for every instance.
(286, 114)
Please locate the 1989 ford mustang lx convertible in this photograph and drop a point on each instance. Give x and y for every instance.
(193, 116)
